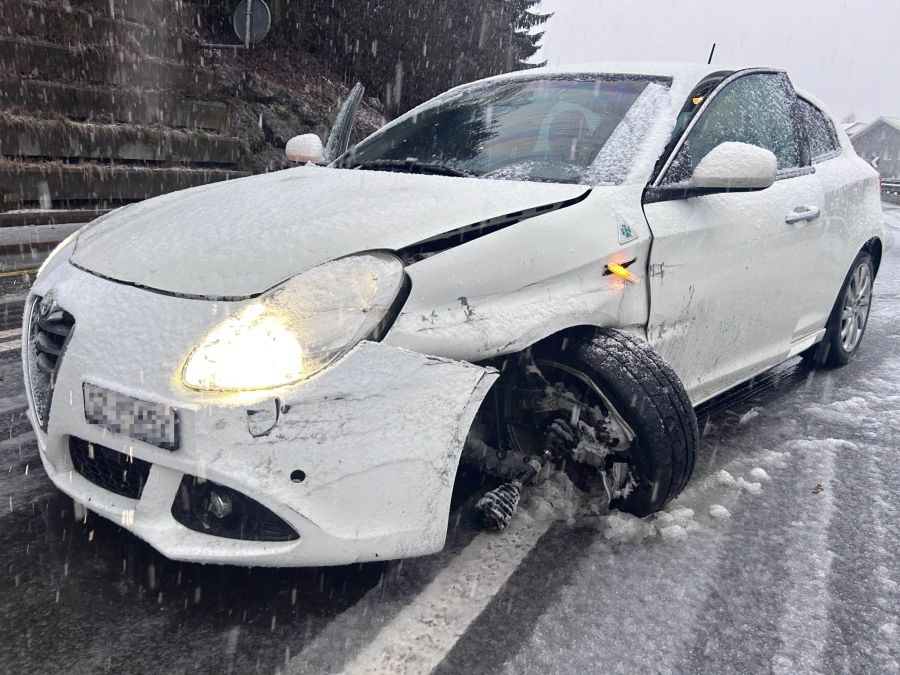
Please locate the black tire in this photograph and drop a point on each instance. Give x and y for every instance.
(648, 394)
(830, 352)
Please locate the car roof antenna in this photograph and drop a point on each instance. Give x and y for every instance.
(711, 52)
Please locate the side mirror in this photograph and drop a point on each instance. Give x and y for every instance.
(735, 166)
(305, 148)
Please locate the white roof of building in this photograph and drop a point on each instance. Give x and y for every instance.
(890, 121)
(853, 127)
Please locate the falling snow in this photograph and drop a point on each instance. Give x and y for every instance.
(779, 556)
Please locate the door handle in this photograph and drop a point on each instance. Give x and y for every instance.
(801, 214)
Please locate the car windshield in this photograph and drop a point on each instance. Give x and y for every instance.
(574, 130)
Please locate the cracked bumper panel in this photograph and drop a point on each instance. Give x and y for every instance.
(377, 436)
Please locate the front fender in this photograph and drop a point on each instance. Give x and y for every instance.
(508, 290)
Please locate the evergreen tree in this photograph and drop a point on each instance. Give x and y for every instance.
(405, 51)
(526, 42)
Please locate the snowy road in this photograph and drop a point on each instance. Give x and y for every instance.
(782, 555)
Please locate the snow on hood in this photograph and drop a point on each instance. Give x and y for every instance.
(240, 238)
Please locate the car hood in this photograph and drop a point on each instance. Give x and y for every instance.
(239, 238)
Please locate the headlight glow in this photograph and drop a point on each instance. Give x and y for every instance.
(298, 328)
(250, 350)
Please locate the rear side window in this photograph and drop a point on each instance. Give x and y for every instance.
(758, 109)
(823, 140)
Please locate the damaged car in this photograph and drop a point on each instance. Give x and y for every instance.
(542, 271)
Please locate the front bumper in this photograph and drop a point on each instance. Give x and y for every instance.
(377, 436)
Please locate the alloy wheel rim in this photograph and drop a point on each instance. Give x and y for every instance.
(855, 309)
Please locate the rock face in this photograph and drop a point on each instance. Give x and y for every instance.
(107, 102)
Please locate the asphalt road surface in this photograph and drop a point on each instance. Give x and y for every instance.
(781, 556)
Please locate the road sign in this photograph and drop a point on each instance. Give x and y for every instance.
(252, 21)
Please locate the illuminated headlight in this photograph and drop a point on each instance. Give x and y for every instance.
(298, 328)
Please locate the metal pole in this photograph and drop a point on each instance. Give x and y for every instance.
(247, 24)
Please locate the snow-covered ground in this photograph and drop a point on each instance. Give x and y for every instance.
(783, 555)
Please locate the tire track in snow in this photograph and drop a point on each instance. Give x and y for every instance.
(719, 602)
(578, 604)
(804, 606)
(635, 605)
(864, 615)
(424, 632)
(865, 612)
(411, 625)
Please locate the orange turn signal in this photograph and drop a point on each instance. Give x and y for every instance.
(623, 273)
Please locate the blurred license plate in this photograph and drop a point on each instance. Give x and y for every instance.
(153, 423)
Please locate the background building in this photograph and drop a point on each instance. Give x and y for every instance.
(852, 128)
(879, 144)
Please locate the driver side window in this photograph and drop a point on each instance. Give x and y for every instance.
(757, 109)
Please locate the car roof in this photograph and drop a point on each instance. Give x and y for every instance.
(681, 73)
(684, 76)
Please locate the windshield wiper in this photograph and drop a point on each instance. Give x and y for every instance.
(408, 165)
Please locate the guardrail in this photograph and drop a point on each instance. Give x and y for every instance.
(890, 191)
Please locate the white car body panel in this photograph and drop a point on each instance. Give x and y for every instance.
(270, 227)
(466, 306)
(727, 289)
(728, 278)
(379, 489)
(735, 289)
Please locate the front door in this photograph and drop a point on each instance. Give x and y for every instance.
(727, 270)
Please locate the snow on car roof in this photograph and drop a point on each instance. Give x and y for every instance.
(682, 74)
(674, 70)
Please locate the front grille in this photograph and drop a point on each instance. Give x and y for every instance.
(114, 471)
(48, 334)
(199, 506)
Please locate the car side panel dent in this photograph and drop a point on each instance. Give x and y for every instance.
(508, 290)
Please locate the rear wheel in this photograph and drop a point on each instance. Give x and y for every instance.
(849, 317)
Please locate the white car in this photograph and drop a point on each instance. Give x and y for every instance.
(540, 270)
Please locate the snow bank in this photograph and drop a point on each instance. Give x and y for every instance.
(749, 416)
(719, 512)
(759, 474)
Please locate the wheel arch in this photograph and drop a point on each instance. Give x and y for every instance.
(637, 382)
(559, 337)
(874, 247)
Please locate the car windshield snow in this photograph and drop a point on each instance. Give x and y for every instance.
(565, 130)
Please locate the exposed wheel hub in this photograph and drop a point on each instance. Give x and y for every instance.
(561, 416)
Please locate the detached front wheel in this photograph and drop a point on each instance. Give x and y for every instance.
(646, 393)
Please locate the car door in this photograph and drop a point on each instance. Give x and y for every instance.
(845, 211)
(727, 271)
